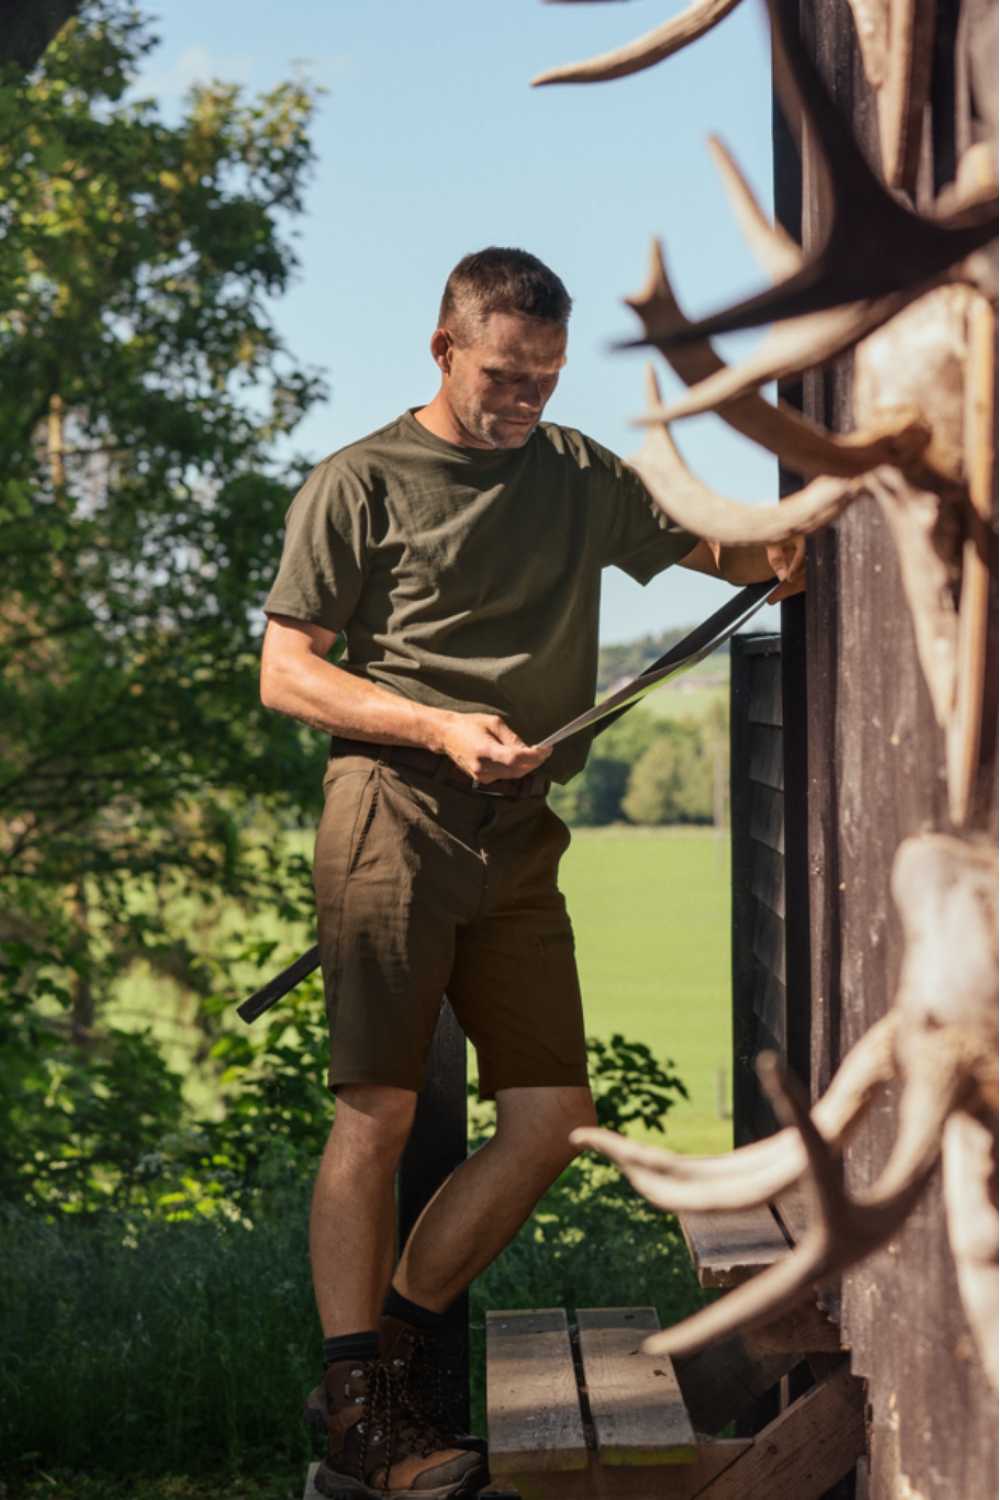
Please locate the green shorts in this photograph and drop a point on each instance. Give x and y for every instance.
(423, 890)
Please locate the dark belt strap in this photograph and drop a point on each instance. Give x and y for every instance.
(441, 769)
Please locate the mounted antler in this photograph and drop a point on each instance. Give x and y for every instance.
(895, 38)
(943, 1049)
(646, 50)
(804, 446)
(873, 247)
(692, 505)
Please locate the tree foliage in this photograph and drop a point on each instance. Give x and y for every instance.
(143, 390)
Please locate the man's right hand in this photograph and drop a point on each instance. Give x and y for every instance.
(487, 749)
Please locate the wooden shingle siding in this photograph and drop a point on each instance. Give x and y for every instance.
(758, 832)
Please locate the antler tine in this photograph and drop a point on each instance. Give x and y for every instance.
(843, 1232)
(803, 446)
(695, 507)
(874, 246)
(776, 251)
(792, 346)
(757, 1173)
(968, 1176)
(646, 50)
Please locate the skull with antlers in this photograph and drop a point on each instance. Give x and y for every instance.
(908, 289)
(914, 293)
(940, 1042)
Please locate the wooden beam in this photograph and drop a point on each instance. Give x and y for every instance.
(804, 1451)
(728, 1248)
(438, 1144)
(636, 1405)
(678, 1482)
(535, 1424)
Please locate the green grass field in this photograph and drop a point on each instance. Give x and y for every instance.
(651, 914)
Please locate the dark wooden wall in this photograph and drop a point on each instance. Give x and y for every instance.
(757, 800)
(875, 775)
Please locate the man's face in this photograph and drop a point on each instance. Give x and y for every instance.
(498, 380)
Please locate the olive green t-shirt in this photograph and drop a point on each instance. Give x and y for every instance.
(469, 578)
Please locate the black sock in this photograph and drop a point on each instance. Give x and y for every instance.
(354, 1346)
(398, 1306)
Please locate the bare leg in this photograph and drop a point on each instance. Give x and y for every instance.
(484, 1202)
(352, 1222)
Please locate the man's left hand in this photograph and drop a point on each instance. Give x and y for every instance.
(788, 562)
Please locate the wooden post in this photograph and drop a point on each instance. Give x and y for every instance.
(437, 1144)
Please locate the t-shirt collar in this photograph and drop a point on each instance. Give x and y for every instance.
(480, 457)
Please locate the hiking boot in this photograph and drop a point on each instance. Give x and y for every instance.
(419, 1362)
(378, 1449)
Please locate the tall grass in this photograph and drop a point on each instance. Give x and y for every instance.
(151, 1348)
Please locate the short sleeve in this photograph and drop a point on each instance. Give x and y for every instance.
(642, 541)
(322, 565)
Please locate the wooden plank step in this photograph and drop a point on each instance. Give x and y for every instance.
(792, 1209)
(727, 1248)
(636, 1405)
(533, 1406)
(806, 1450)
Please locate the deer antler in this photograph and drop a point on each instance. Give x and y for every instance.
(874, 247)
(843, 1229)
(646, 50)
(896, 38)
(804, 446)
(695, 507)
(969, 1169)
(942, 1042)
(801, 444)
(754, 1174)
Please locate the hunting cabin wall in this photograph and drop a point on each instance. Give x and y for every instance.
(769, 913)
(876, 773)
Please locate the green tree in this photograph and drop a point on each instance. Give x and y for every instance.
(672, 782)
(594, 797)
(143, 390)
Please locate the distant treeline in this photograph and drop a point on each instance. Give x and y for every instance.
(629, 658)
(653, 770)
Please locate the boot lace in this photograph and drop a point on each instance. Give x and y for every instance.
(390, 1418)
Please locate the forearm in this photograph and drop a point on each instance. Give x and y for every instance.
(743, 564)
(326, 697)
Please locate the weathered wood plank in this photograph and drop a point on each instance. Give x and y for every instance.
(767, 817)
(728, 1248)
(534, 1409)
(767, 874)
(438, 1143)
(767, 757)
(635, 1401)
(765, 677)
(769, 1003)
(792, 1210)
(676, 1482)
(724, 1382)
(809, 1447)
(804, 1330)
(768, 941)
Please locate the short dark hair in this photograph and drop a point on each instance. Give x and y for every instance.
(502, 280)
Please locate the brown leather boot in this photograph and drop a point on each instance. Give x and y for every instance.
(378, 1449)
(420, 1363)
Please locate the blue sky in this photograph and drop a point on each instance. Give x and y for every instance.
(431, 143)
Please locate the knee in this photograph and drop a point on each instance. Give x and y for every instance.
(539, 1128)
(373, 1122)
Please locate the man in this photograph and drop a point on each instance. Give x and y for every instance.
(460, 548)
